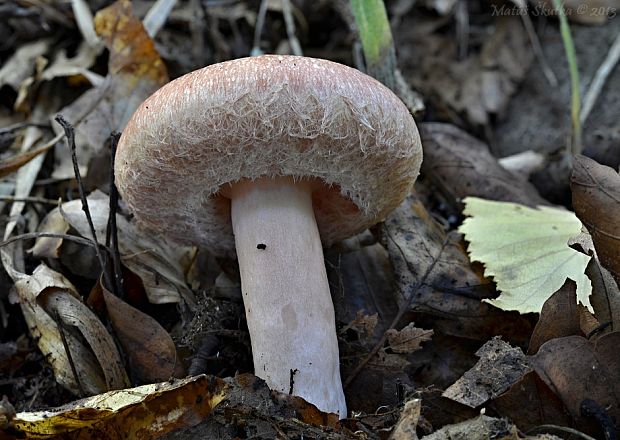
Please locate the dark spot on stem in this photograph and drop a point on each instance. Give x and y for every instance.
(292, 380)
(261, 246)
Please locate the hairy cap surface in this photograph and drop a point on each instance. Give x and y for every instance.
(266, 116)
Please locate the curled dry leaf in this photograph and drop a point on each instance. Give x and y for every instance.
(596, 200)
(499, 367)
(73, 312)
(135, 71)
(409, 339)
(148, 411)
(605, 294)
(47, 291)
(161, 266)
(148, 346)
(461, 166)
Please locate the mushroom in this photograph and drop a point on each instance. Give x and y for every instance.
(273, 157)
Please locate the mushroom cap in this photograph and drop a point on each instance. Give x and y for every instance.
(266, 116)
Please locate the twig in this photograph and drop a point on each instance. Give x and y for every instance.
(29, 200)
(538, 52)
(31, 235)
(61, 330)
(111, 230)
(258, 30)
(401, 310)
(70, 134)
(461, 16)
(599, 80)
(20, 125)
(289, 21)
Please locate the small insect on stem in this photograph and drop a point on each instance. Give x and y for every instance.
(261, 246)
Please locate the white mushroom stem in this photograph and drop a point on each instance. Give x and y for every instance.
(287, 300)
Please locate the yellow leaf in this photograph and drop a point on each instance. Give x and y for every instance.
(525, 250)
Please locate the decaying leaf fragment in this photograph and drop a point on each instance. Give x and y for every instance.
(483, 428)
(408, 339)
(525, 250)
(148, 411)
(405, 429)
(499, 367)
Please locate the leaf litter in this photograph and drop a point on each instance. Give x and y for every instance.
(413, 310)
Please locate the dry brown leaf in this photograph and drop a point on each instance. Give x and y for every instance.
(135, 71)
(460, 166)
(596, 200)
(500, 366)
(577, 369)
(605, 297)
(148, 346)
(408, 339)
(530, 403)
(559, 317)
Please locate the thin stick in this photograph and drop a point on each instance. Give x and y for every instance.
(63, 337)
(70, 134)
(20, 125)
(401, 311)
(111, 230)
(538, 52)
(289, 21)
(31, 235)
(29, 200)
(600, 78)
(258, 30)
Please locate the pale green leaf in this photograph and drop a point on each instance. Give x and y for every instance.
(525, 250)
